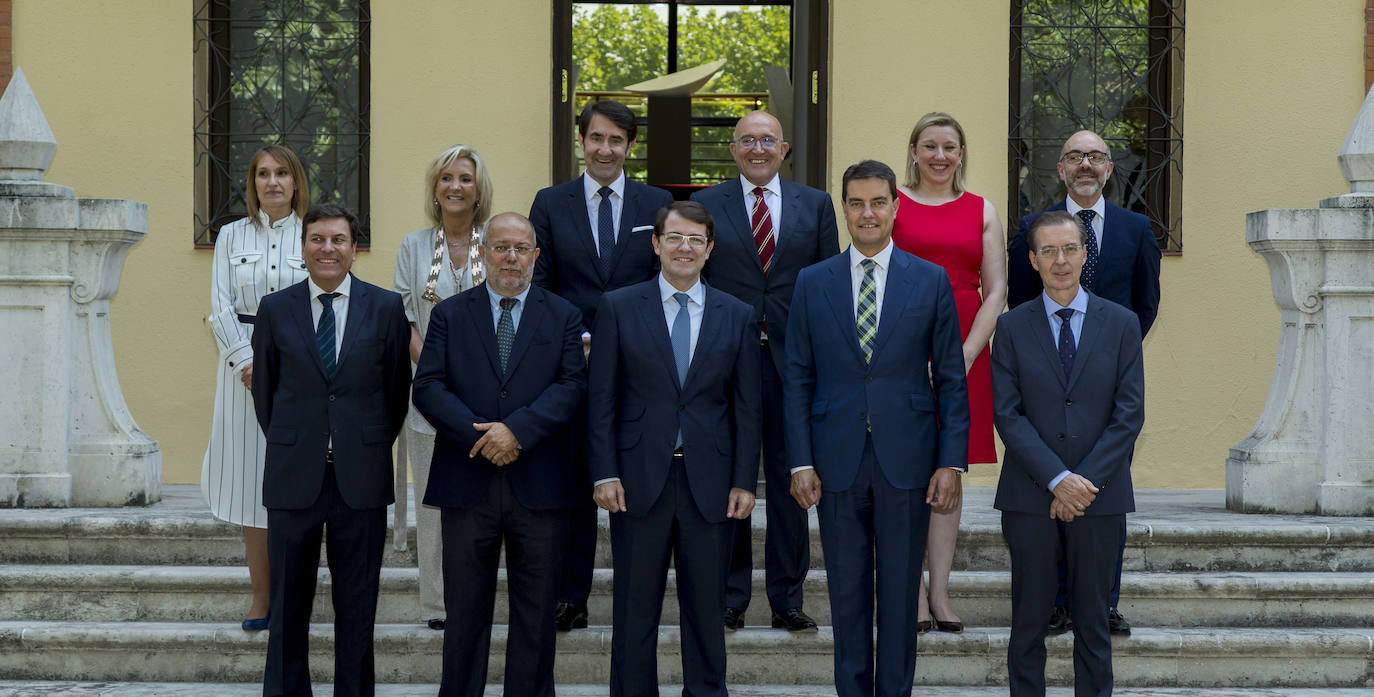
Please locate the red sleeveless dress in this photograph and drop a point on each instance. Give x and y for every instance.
(951, 235)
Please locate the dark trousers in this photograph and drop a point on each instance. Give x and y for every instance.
(354, 540)
(534, 542)
(1061, 598)
(873, 525)
(787, 541)
(579, 558)
(1090, 544)
(642, 547)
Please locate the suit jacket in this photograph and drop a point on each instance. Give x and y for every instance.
(568, 262)
(299, 409)
(808, 235)
(830, 394)
(636, 405)
(1127, 269)
(459, 382)
(1087, 424)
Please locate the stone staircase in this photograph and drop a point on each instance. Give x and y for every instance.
(147, 602)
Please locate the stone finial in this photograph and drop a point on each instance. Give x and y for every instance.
(26, 143)
(1357, 152)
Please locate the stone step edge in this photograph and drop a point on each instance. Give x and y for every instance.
(1192, 642)
(1277, 585)
(37, 688)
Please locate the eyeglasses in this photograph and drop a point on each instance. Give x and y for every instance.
(1050, 253)
(1074, 158)
(674, 239)
(500, 250)
(766, 142)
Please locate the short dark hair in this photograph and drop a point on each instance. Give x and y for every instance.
(326, 210)
(691, 210)
(868, 169)
(618, 113)
(1052, 218)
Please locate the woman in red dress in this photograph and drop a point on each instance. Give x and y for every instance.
(940, 222)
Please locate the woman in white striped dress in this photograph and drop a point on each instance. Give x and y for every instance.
(434, 263)
(254, 256)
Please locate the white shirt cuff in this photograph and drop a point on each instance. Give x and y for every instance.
(803, 467)
(599, 482)
(1055, 482)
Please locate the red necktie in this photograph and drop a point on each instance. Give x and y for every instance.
(763, 229)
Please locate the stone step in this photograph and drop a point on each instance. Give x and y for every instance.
(1177, 530)
(104, 593)
(180, 689)
(1182, 657)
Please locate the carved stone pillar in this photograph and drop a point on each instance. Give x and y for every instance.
(1311, 450)
(66, 435)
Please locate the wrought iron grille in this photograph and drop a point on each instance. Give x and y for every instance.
(1111, 66)
(294, 72)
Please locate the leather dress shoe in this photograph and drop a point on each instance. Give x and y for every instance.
(1059, 621)
(793, 620)
(569, 616)
(950, 627)
(732, 618)
(1117, 624)
(436, 623)
(256, 624)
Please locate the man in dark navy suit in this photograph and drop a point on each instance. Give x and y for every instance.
(330, 385)
(1069, 391)
(672, 419)
(767, 230)
(877, 428)
(1121, 265)
(502, 377)
(593, 237)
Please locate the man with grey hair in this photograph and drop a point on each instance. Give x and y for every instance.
(502, 378)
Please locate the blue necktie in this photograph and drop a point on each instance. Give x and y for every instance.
(324, 335)
(1089, 278)
(1067, 348)
(505, 332)
(682, 338)
(605, 229)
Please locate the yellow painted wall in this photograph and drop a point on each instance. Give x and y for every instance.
(1270, 89)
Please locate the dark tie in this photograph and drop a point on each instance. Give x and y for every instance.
(866, 320)
(762, 222)
(324, 335)
(605, 229)
(682, 338)
(1067, 347)
(1089, 279)
(505, 332)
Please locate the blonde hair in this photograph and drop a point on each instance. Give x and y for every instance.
(482, 210)
(300, 198)
(934, 118)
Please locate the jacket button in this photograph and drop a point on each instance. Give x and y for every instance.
(274, 267)
(682, 407)
(863, 416)
(868, 379)
(504, 394)
(1068, 402)
(326, 431)
(331, 398)
(231, 364)
(1060, 436)
(243, 260)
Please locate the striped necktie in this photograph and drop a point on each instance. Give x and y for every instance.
(867, 317)
(324, 335)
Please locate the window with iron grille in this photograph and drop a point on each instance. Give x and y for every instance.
(292, 72)
(1110, 66)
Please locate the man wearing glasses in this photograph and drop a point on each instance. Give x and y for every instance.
(1121, 264)
(769, 229)
(502, 377)
(1069, 393)
(672, 423)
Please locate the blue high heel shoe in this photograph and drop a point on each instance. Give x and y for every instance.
(256, 624)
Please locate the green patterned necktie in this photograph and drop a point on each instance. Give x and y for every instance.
(867, 320)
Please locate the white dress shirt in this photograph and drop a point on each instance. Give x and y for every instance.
(1100, 208)
(772, 198)
(340, 306)
(856, 274)
(591, 189)
(1079, 305)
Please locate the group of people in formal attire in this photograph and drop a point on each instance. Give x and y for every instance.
(616, 349)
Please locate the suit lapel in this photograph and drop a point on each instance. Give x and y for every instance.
(1092, 330)
(530, 317)
(839, 291)
(895, 294)
(303, 316)
(1040, 327)
(791, 212)
(479, 314)
(628, 211)
(736, 213)
(577, 212)
(712, 326)
(651, 314)
(359, 307)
